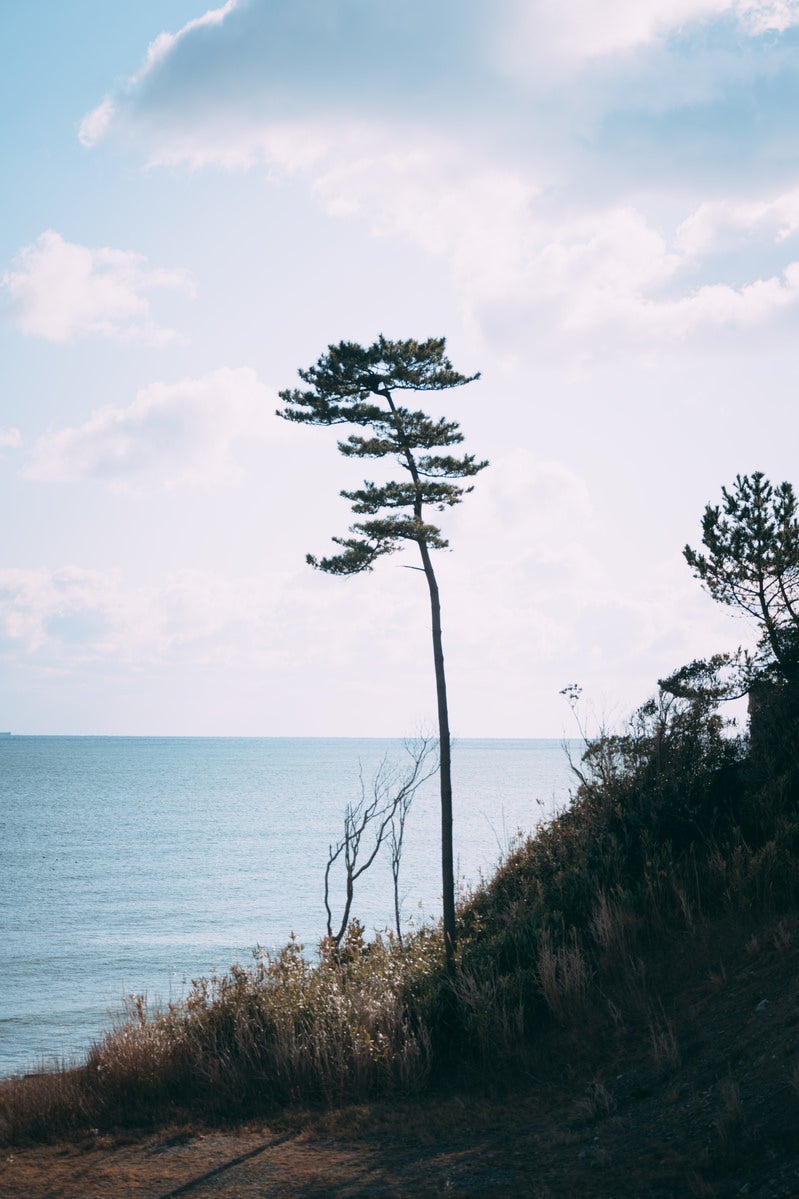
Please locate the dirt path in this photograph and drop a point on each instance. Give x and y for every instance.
(258, 1161)
(658, 1150)
(721, 1119)
(443, 1151)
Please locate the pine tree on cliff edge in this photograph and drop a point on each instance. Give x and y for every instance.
(356, 385)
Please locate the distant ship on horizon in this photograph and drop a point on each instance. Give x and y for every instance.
(5, 734)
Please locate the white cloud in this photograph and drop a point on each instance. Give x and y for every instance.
(522, 254)
(582, 278)
(524, 502)
(522, 543)
(576, 31)
(10, 439)
(480, 218)
(766, 16)
(283, 147)
(584, 29)
(98, 123)
(165, 42)
(615, 273)
(543, 594)
(573, 276)
(246, 81)
(73, 614)
(606, 275)
(500, 245)
(61, 290)
(531, 602)
(720, 306)
(718, 224)
(329, 51)
(172, 433)
(30, 599)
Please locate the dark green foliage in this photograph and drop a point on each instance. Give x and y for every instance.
(712, 680)
(343, 379)
(752, 564)
(353, 384)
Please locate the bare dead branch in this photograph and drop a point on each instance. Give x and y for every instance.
(379, 814)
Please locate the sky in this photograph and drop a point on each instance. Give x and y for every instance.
(596, 202)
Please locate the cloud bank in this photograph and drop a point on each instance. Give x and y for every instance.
(62, 291)
(532, 531)
(171, 434)
(71, 614)
(390, 134)
(274, 62)
(285, 81)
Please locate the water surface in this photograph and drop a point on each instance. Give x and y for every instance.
(133, 864)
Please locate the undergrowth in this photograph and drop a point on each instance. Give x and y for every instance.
(672, 823)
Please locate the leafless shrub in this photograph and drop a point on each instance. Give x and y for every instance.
(379, 815)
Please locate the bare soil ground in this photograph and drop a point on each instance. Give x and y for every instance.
(712, 1113)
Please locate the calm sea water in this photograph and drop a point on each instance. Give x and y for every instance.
(133, 864)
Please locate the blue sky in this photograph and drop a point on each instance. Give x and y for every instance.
(596, 202)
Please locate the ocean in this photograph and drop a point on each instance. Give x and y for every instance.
(130, 865)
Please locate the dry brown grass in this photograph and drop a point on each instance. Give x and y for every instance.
(564, 976)
(252, 1039)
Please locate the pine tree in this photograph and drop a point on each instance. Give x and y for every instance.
(752, 563)
(356, 385)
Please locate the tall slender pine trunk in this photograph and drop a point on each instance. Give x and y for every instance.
(445, 763)
(444, 747)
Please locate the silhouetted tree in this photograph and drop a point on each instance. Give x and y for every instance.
(752, 565)
(356, 385)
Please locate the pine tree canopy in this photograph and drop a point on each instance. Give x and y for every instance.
(353, 384)
(752, 561)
